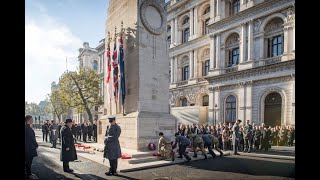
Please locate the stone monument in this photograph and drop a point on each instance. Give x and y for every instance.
(146, 107)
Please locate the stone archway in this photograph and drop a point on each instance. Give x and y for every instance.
(272, 109)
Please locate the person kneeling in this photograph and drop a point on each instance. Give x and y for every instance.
(165, 147)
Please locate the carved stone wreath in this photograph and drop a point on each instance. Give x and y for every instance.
(147, 25)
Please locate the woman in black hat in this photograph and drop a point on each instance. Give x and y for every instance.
(68, 151)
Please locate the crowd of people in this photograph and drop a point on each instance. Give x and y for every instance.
(251, 136)
(83, 132)
(240, 137)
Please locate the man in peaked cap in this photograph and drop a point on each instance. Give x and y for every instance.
(112, 150)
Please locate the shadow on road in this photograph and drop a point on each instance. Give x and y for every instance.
(245, 165)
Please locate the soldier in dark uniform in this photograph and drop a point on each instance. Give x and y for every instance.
(74, 131)
(90, 129)
(68, 151)
(112, 150)
(247, 135)
(183, 144)
(59, 128)
(79, 132)
(95, 133)
(44, 132)
(235, 137)
(30, 146)
(53, 134)
(84, 130)
(257, 137)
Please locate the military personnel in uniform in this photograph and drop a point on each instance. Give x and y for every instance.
(247, 135)
(54, 133)
(112, 150)
(215, 142)
(208, 143)
(165, 147)
(281, 136)
(235, 137)
(183, 144)
(197, 142)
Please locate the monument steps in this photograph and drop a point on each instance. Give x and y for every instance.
(143, 160)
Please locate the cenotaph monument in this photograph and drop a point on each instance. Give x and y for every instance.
(146, 109)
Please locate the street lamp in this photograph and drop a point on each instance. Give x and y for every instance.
(215, 114)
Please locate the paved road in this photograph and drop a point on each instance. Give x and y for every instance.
(48, 166)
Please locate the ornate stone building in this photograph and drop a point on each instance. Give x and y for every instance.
(232, 59)
(92, 58)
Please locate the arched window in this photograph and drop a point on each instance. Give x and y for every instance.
(186, 35)
(232, 50)
(95, 65)
(205, 100)
(231, 109)
(185, 73)
(205, 68)
(183, 101)
(205, 26)
(207, 11)
(274, 37)
(185, 21)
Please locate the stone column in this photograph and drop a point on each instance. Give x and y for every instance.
(195, 30)
(218, 8)
(248, 99)
(172, 31)
(250, 41)
(176, 30)
(216, 101)
(171, 69)
(195, 63)
(293, 118)
(175, 69)
(211, 107)
(212, 10)
(212, 50)
(191, 64)
(285, 40)
(293, 38)
(241, 102)
(191, 23)
(261, 46)
(218, 51)
(243, 43)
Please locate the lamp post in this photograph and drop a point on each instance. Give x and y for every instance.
(215, 114)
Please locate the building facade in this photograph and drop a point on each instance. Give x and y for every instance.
(92, 58)
(232, 59)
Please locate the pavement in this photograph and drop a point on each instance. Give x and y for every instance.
(278, 163)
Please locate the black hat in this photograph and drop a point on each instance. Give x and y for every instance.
(112, 117)
(68, 121)
(239, 120)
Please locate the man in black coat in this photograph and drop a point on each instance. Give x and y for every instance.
(95, 134)
(44, 132)
(31, 146)
(84, 129)
(68, 151)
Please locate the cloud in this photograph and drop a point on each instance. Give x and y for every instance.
(48, 43)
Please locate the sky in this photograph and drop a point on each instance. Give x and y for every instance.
(54, 31)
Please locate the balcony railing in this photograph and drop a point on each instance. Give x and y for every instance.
(201, 79)
(272, 60)
(181, 83)
(231, 69)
